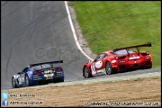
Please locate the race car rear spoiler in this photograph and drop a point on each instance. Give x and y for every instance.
(52, 62)
(137, 46)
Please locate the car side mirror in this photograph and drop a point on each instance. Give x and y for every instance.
(90, 60)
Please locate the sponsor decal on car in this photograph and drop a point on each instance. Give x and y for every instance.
(48, 76)
(98, 64)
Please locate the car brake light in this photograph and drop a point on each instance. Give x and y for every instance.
(145, 53)
(120, 57)
(147, 57)
(37, 72)
(58, 69)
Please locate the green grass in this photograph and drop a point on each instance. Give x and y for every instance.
(110, 24)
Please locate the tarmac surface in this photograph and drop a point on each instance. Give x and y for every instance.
(39, 31)
(34, 32)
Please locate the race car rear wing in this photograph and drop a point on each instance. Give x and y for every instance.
(52, 62)
(137, 46)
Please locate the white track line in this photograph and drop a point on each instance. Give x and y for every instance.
(74, 33)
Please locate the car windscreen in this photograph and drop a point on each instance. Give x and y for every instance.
(39, 67)
(124, 51)
(46, 66)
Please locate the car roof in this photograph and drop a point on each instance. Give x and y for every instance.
(108, 52)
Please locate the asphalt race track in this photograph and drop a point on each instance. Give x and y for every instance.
(34, 32)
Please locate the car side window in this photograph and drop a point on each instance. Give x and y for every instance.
(100, 57)
(97, 58)
(25, 70)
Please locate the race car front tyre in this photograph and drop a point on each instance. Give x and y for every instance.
(86, 72)
(14, 85)
(27, 83)
(109, 69)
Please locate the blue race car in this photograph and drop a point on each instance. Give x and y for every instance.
(38, 73)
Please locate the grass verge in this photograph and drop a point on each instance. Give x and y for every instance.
(110, 24)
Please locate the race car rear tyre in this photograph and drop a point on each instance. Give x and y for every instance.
(150, 66)
(55, 80)
(62, 80)
(27, 83)
(14, 85)
(108, 68)
(86, 72)
(147, 67)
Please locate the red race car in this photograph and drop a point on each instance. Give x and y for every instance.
(119, 60)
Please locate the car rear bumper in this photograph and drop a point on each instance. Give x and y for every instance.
(133, 65)
(42, 78)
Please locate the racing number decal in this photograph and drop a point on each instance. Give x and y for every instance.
(20, 78)
(93, 68)
(98, 64)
